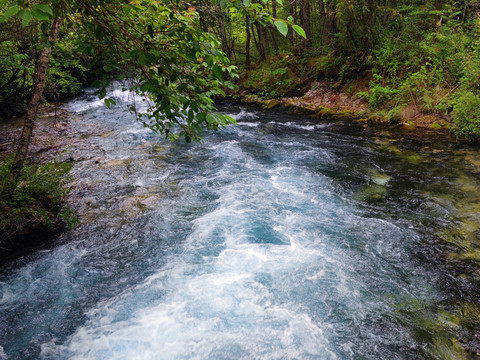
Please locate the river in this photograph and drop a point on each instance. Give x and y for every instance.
(279, 238)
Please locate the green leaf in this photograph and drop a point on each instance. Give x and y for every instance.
(209, 60)
(210, 119)
(43, 8)
(10, 12)
(26, 16)
(282, 27)
(217, 71)
(279, 2)
(190, 115)
(40, 15)
(247, 3)
(110, 102)
(223, 4)
(230, 119)
(237, 4)
(299, 31)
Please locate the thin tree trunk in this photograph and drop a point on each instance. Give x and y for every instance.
(262, 43)
(252, 29)
(323, 21)
(272, 30)
(305, 22)
(438, 7)
(292, 7)
(273, 34)
(330, 23)
(38, 87)
(247, 43)
(222, 16)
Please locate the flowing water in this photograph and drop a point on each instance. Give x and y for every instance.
(278, 238)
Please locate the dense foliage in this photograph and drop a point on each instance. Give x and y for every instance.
(177, 54)
(160, 46)
(19, 51)
(424, 54)
(37, 201)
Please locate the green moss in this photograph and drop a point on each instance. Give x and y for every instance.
(408, 125)
(339, 114)
(440, 331)
(379, 178)
(436, 126)
(270, 104)
(371, 192)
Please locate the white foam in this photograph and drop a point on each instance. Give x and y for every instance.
(244, 115)
(300, 126)
(214, 304)
(3, 356)
(249, 124)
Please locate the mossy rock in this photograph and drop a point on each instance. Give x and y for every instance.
(338, 114)
(362, 120)
(270, 104)
(436, 126)
(409, 125)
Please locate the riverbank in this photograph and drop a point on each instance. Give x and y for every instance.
(33, 211)
(327, 99)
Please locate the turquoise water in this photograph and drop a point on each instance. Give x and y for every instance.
(279, 238)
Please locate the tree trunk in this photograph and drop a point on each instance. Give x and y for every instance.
(438, 7)
(273, 31)
(273, 35)
(221, 18)
(292, 9)
(330, 23)
(323, 21)
(262, 43)
(247, 43)
(305, 8)
(38, 87)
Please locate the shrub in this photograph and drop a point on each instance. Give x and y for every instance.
(36, 198)
(466, 114)
(379, 94)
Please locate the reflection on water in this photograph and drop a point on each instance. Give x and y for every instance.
(278, 238)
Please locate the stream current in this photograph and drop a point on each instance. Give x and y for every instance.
(278, 238)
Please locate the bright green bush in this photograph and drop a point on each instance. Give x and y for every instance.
(379, 94)
(466, 114)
